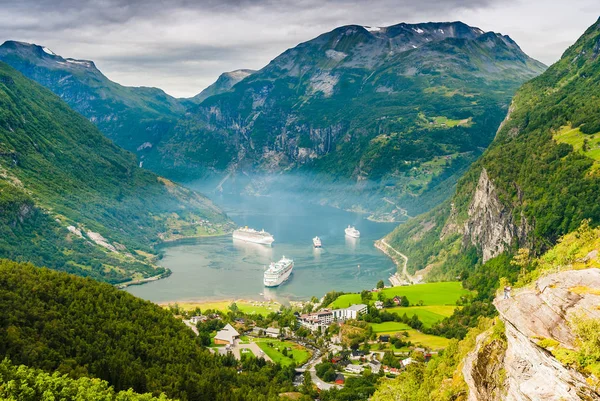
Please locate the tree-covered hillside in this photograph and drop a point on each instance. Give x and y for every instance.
(76, 326)
(397, 112)
(74, 201)
(23, 383)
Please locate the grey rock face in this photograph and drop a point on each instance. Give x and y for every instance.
(491, 225)
(529, 371)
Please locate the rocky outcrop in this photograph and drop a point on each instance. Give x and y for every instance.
(491, 226)
(545, 310)
(516, 368)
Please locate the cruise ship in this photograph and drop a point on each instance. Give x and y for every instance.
(317, 242)
(252, 235)
(352, 232)
(278, 272)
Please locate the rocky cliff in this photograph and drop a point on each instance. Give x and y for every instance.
(491, 225)
(516, 367)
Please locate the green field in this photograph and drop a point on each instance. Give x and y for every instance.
(298, 354)
(575, 138)
(249, 307)
(429, 315)
(414, 336)
(389, 327)
(446, 293)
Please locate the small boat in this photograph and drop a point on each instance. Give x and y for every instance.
(317, 242)
(352, 232)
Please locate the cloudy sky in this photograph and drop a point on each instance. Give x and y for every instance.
(182, 46)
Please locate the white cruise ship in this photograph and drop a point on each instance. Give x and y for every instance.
(352, 232)
(317, 242)
(251, 235)
(278, 272)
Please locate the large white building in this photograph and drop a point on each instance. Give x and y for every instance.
(350, 312)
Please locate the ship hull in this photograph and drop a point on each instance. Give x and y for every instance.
(353, 235)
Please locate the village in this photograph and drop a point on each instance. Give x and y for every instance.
(380, 335)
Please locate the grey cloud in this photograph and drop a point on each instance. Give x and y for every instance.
(183, 45)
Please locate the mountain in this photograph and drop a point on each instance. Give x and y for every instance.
(393, 115)
(382, 120)
(135, 118)
(223, 84)
(537, 181)
(79, 327)
(74, 201)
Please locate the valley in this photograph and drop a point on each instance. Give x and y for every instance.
(435, 192)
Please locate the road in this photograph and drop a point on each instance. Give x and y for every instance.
(395, 279)
(321, 385)
(191, 326)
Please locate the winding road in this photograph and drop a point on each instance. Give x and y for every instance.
(405, 273)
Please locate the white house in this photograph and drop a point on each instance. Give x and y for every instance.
(272, 332)
(198, 319)
(407, 361)
(354, 368)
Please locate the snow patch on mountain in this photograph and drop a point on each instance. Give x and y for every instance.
(324, 82)
(48, 51)
(79, 62)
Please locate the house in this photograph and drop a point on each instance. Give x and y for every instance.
(397, 300)
(198, 319)
(391, 371)
(354, 369)
(258, 331)
(316, 320)
(272, 332)
(407, 361)
(336, 359)
(357, 354)
(384, 338)
(375, 365)
(227, 335)
(339, 379)
(379, 305)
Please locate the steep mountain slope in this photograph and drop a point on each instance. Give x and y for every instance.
(223, 84)
(400, 111)
(133, 117)
(536, 182)
(58, 322)
(74, 201)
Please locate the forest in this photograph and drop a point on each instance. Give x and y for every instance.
(81, 328)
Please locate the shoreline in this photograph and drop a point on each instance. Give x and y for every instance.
(168, 272)
(397, 278)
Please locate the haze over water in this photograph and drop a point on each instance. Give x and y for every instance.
(221, 268)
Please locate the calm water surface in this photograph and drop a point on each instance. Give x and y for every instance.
(221, 268)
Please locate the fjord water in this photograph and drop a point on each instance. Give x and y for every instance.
(221, 268)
